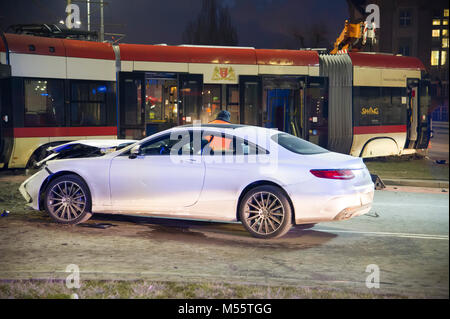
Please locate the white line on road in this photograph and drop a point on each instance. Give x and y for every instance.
(404, 204)
(385, 234)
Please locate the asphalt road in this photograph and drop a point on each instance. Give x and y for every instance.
(439, 142)
(405, 235)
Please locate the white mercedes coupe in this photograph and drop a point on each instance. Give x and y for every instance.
(266, 179)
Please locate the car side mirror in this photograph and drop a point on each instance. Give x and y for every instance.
(135, 151)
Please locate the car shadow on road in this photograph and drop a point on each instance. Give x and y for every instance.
(214, 233)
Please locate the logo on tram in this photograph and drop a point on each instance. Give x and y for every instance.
(370, 111)
(223, 74)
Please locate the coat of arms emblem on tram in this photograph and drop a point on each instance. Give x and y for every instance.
(221, 73)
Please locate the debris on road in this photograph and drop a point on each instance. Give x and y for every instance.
(377, 181)
(5, 213)
(372, 214)
(97, 225)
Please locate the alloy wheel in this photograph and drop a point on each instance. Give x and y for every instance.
(264, 213)
(66, 200)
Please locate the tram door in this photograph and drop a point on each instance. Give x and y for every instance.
(278, 101)
(132, 108)
(281, 104)
(418, 128)
(298, 106)
(412, 112)
(424, 128)
(315, 111)
(160, 102)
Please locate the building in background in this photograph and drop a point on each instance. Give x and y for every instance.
(418, 28)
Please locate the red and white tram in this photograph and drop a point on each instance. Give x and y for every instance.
(55, 90)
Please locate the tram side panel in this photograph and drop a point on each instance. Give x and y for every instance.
(62, 90)
(380, 111)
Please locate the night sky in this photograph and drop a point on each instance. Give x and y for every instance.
(259, 23)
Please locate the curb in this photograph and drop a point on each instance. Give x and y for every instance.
(416, 183)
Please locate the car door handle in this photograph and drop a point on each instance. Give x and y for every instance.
(190, 160)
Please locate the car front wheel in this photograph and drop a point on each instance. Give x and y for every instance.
(265, 212)
(68, 200)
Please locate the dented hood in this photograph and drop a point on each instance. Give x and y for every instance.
(84, 148)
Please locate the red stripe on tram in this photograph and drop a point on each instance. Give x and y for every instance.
(379, 129)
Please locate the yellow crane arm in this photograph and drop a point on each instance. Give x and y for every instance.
(350, 37)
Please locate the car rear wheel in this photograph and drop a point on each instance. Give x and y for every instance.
(68, 200)
(265, 212)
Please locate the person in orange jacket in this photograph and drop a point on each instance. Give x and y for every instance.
(224, 117)
(216, 143)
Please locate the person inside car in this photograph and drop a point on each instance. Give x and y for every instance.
(220, 143)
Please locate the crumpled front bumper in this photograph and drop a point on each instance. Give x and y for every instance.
(24, 193)
(30, 188)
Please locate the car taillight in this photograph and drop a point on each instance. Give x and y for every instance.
(333, 173)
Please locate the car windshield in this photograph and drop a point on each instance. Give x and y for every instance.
(297, 145)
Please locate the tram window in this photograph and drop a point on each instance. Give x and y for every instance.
(44, 102)
(154, 100)
(171, 102)
(88, 103)
(379, 106)
(131, 106)
(424, 98)
(212, 101)
(367, 106)
(251, 110)
(393, 112)
(191, 97)
(233, 103)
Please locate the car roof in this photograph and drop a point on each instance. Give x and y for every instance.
(255, 134)
(229, 126)
(236, 127)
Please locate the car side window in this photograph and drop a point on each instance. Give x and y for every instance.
(244, 147)
(180, 143)
(214, 143)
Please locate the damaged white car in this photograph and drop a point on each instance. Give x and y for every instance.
(265, 179)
